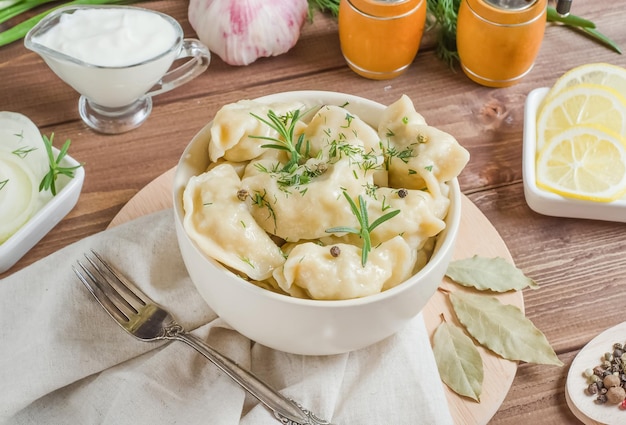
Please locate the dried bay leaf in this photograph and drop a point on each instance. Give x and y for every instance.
(502, 328)
(458, 361)
(495, 274)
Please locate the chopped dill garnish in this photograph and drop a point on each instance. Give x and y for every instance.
(22, 152)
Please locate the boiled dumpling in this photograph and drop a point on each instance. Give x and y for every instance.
(323, 276)
(396, 117)
(222, 226)
(421, 215)
(334, 125)
(435, 156)
(234, 124)
(303, 212)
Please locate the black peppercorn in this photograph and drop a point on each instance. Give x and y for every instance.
(242, 194)
(335, 251)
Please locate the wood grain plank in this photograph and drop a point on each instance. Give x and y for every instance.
(578, 263)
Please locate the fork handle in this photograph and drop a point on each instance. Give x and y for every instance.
(285, 410)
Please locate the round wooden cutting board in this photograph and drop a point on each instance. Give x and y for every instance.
(476, 237)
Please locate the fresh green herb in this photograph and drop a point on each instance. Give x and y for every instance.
(285, 126)
(349, 119)
(49, 180)
(331, 6)
(356, 154)
(247, 261)
(443, 15)
(403, 155)
(365, 229)
(3, 183)
(594, 33)
(259, 200)
(11, 9)
(584, 25)
(22, 152)
(370, 190)
(573, 20)
(301, 176)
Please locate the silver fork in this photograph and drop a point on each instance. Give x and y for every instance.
(144, 319)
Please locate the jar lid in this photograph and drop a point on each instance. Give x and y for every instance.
(511, 5)
(386, 8)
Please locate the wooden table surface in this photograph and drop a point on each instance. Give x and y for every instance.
(579, 264)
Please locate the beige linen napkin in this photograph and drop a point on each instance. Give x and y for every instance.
(63, 360)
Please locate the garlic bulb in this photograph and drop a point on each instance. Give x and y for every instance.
(241, 31)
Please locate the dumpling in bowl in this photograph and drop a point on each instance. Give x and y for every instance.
(235, 123)
(336, 273)
(304, 212)
(222, 226)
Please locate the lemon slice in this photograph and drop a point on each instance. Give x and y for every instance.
(603, 74)
(584, 162)
(582, 104)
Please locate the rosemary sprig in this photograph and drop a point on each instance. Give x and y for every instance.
(365, 228)
(49, 180)
(285, 126)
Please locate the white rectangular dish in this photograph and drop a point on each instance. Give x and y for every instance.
(549, 203)
(68, 191)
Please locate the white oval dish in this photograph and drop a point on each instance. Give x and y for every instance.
(549, 203)
(68, 191)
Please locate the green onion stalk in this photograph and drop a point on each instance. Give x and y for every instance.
(12, 8)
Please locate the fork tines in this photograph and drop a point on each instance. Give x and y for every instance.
(119, 297)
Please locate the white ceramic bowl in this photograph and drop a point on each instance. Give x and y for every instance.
(549, 203)
(301, 326)
(68, 191)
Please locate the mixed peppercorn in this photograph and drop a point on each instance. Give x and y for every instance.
(607, 381)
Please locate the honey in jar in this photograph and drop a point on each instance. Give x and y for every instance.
(380, 38)
(498, 40)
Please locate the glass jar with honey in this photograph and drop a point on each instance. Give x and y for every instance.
(380, 38)
(498, 40)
